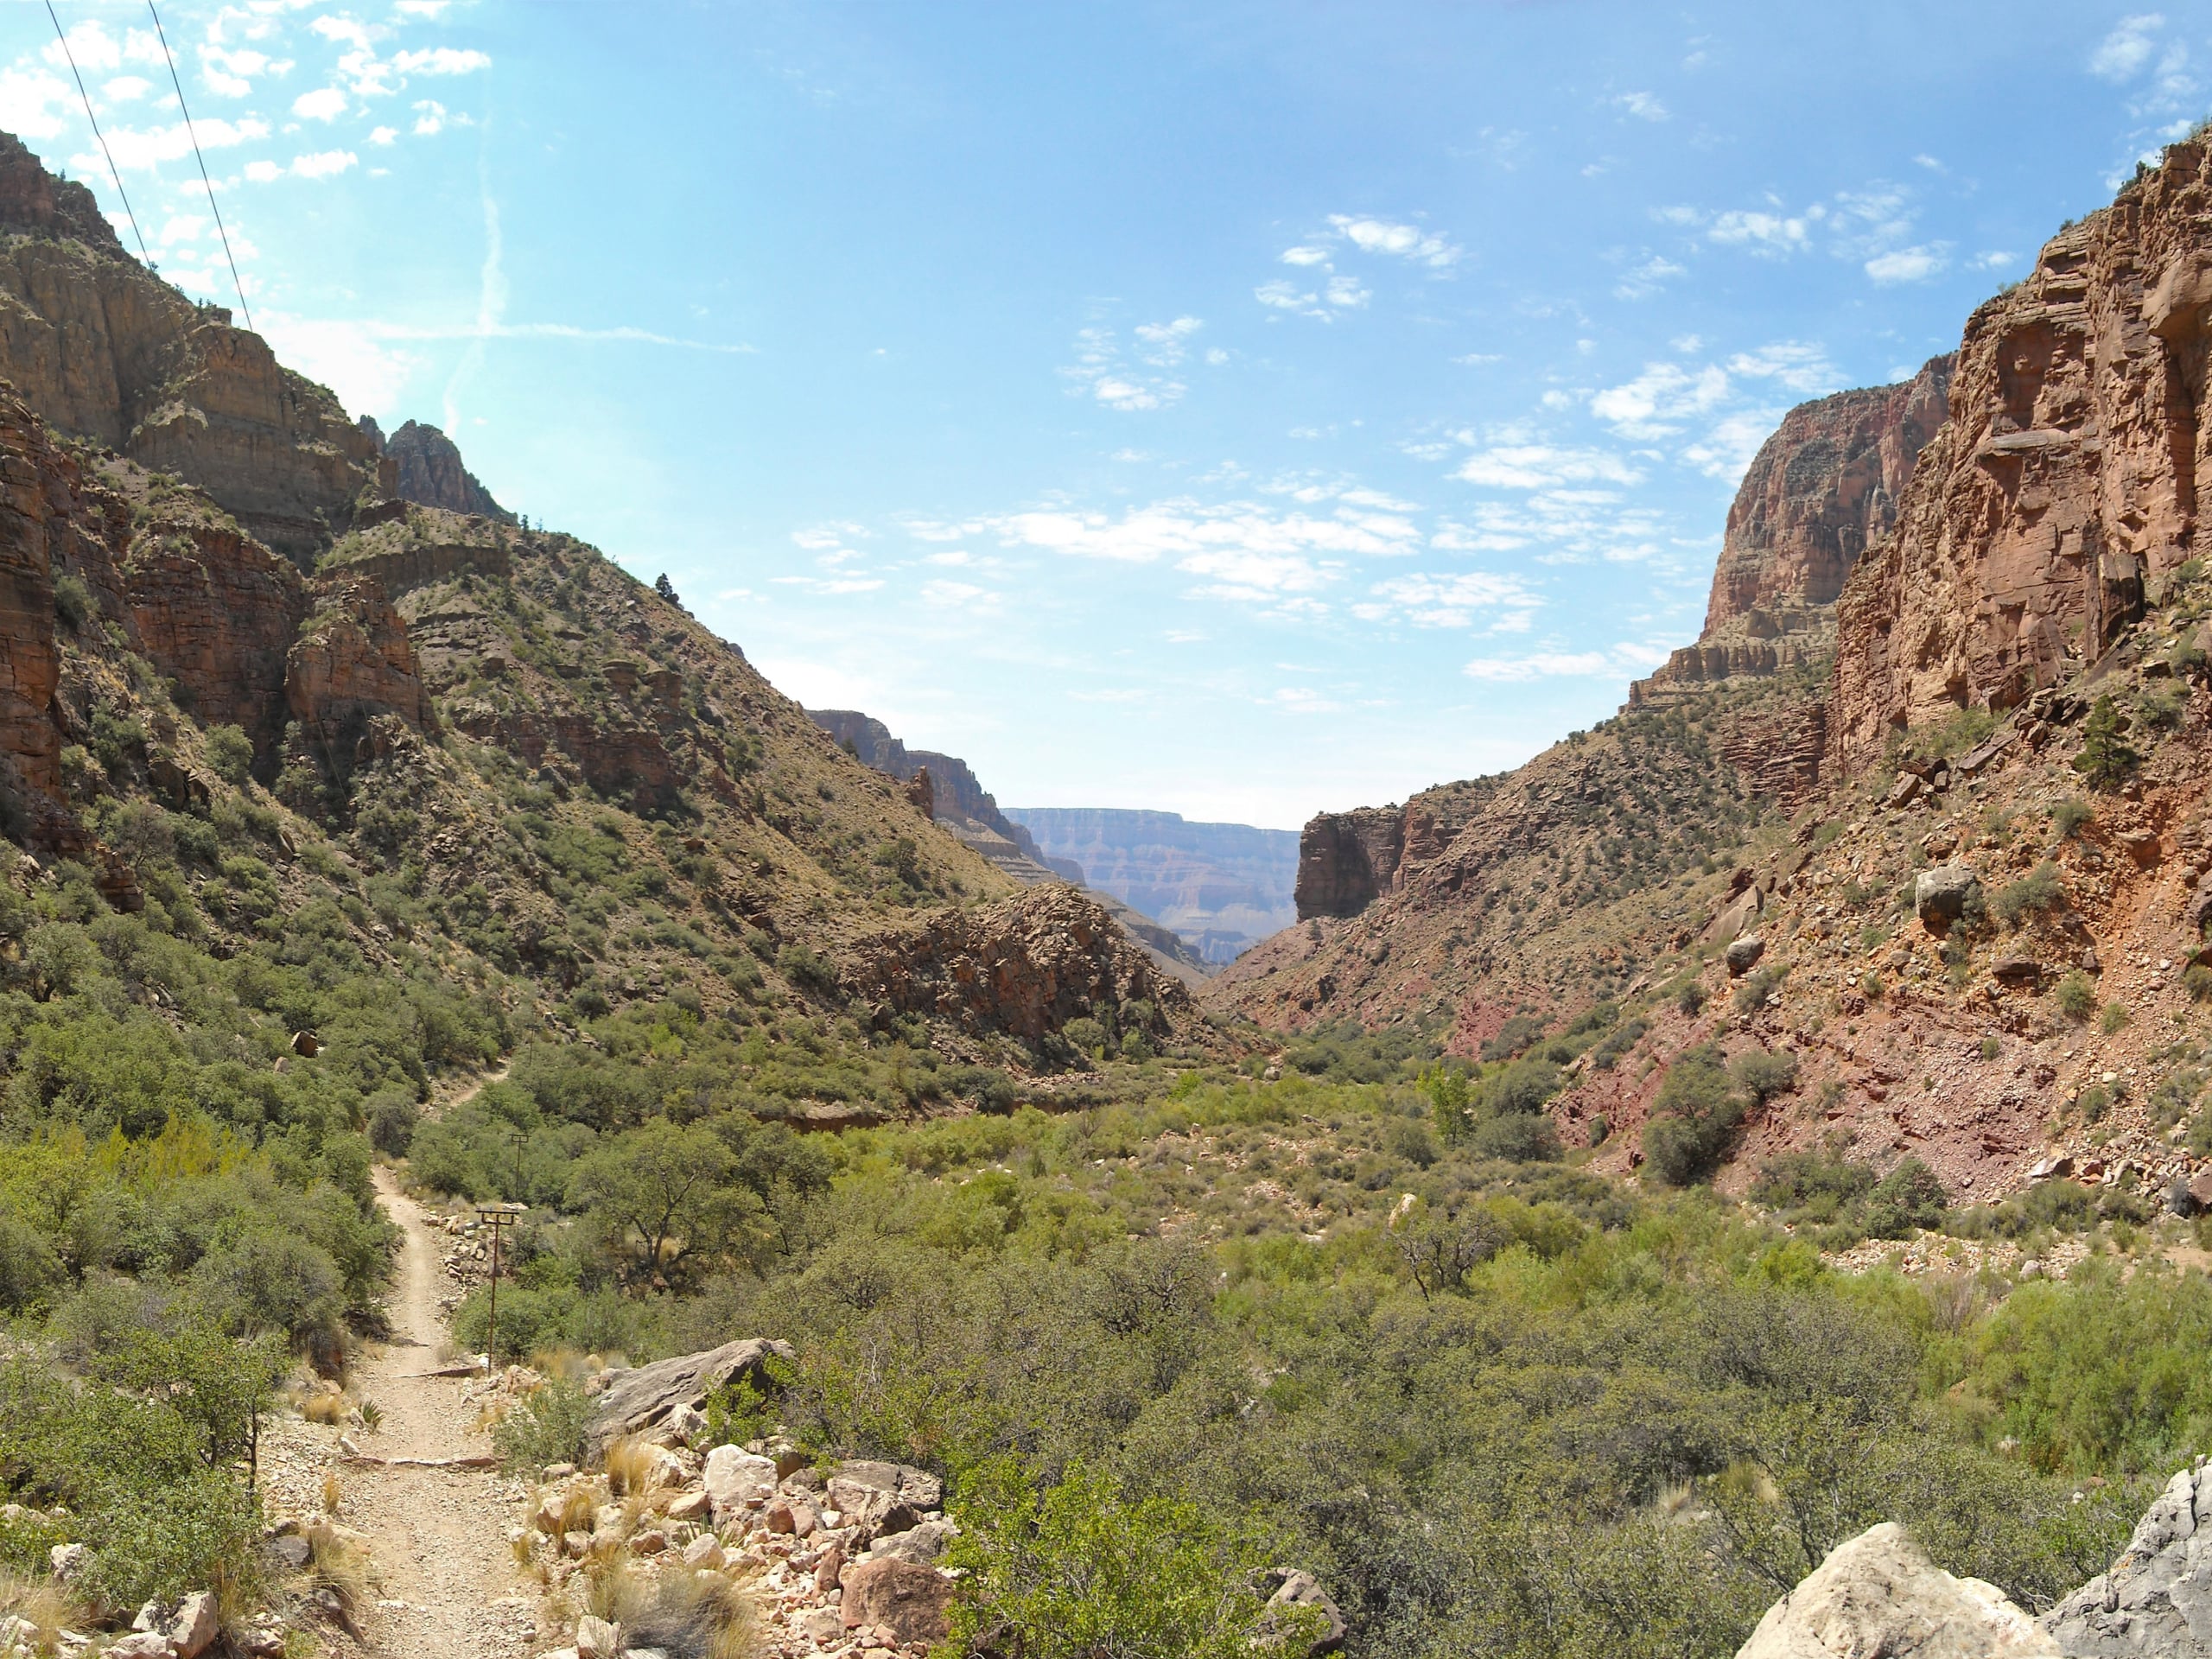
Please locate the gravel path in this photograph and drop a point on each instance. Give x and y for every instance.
(448, 1583)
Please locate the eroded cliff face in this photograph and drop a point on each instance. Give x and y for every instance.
(105, 349)
(1348, 860)
(427, 469)
(1825, 487)
(2065, 484)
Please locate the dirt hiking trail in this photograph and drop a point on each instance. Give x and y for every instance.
(448, 1580)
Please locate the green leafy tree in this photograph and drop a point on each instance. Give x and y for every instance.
(1082, 1570)
(664, 1197)
(2107, 758)
(1448, 1097)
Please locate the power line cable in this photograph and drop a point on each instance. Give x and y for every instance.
(98, 134)
(202, 159)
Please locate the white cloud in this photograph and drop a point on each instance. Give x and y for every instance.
(1305, 255)
(1643, 105)
(1101, 371)
(440, 60)
(181, 227)
(1348, 292)
(126, 89)
(1762, 232)
(1453, 599)
(369, 376)
(2122, 53)
(1907, 264)
(345, 31)
(1798, 365)
(1240, 544)
(1994, 259)
(423, 8)
(323, 163)
(429, 117)
(325, 104)
(1643, 280)
(135, 147)
(1402, 241)
(264, 172)
(34, 103)
(1623, 659)
(1727, 447)
(1540, 466)
(1654, 404)
(960, 596)
(384, 134)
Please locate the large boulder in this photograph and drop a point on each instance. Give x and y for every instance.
(883, 1498)
(635, 1400)
(734, 1477)
(2156, 1600)
(1300, 1593)
(1880, 1594)
(910, 1601)
(924, 1544)
(1939, 895)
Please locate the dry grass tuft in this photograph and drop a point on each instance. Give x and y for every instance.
(327, 1408)
(632, 1466)
(575, 1513)
(49, 1607)
(562, 1365)
(340, 1566)
(702, 1613)
(331, 1492)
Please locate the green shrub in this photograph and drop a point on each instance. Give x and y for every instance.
(73, 600)
(545, 1427)
(1516, 1033)
(1081, 1568)
(1908, 1197)
(2039, 890)
(1518, 1137)
(2076, 994)
(2069, 815)
(1521, 1087)
(2106, 757)
(807, 969)
(2114, 1018)
(1821, 1184)
(1762, 1074)
(231, 753)
(1693, 1118)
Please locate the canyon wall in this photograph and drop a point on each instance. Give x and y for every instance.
(105, 349)
(1348, 860)
(2063, 490)
(1222, 886)
(427, 469)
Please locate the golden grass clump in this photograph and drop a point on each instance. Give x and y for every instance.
(633, 1466)
(573, 1511)
(328, 1409)
(332, 1494)
(339, 1564)
(47, 1606)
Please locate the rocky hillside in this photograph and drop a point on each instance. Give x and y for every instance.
(1222, 886)
(209, 590)
(1949, 887)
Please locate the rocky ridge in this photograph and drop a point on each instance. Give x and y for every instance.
(427, 469)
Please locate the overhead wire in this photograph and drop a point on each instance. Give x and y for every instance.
(102, 137)
(162, 36)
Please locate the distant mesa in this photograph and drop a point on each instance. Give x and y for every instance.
(1222, 886)
(962, 807)
(427, 469)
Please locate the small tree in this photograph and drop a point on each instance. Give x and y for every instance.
(1448, 1095)
(1440, 1249)
(666, 1195)
(2105, 758)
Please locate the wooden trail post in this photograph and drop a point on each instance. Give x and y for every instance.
(502, 1217)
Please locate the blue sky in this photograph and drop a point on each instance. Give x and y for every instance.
(1243, 410)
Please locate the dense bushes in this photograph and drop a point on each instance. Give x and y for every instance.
(1695, 1114)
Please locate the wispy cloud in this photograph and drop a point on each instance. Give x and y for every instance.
(2122, 54)
(1104, 372)
(1643, 105)
(1580, 665)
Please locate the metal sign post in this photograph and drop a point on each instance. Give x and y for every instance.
(501, 1216)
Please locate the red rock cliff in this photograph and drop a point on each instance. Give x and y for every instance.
(2065, 479)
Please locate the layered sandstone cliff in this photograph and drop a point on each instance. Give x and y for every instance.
(2064, 487)
(1822, 490)
(427, 469)
(1348, 860)
(105, 349)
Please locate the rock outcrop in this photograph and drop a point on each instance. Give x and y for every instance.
(635, 1400)
(957, 796)
(1348, 860)
(105, 349)
(1822, 491)
(1879, 1594)
(427, 470)
(2155, 1602)
(2063, 491)
(1024, 966)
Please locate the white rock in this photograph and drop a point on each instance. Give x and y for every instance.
(196, 1624)
(734, 1476)
(597, 1639)
(68, 1560)
(1880, 1594)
